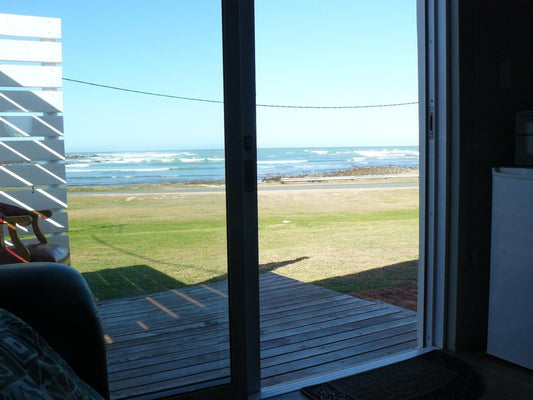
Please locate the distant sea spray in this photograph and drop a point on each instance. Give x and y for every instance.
(150, 167)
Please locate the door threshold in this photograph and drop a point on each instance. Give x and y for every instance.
(277, 390)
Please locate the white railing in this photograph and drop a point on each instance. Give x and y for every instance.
(32, 152)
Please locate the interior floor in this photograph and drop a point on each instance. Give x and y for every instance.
(501, 380)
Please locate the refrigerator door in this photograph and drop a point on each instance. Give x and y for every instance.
(510, 328)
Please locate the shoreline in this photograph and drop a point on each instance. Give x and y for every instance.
(362, 174)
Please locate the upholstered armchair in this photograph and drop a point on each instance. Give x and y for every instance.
(57, 305)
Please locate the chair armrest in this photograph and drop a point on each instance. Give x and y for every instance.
(13, 215)
(37, 230)
(43, 213)
(55, 300)
(10, 210)
(25, 217)
(22, 220)
(12, 223)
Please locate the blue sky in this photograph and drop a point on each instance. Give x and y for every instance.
(308, 52)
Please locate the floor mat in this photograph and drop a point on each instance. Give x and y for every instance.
(431, 376)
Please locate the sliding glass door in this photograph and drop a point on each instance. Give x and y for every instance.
(161, 180)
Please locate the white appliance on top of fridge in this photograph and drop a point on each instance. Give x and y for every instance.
(510, 326)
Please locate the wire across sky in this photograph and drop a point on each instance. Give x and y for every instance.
(122, 89)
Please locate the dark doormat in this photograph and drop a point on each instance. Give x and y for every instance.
(431, 376)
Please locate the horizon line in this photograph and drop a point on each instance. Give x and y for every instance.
(218, 148)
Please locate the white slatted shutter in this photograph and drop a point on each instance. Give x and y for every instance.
(32, 152)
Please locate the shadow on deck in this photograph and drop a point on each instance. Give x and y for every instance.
(179, 338)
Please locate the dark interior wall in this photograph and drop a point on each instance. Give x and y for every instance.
(495, 82)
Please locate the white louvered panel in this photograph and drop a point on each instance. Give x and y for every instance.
(31, 150)
(30, 76)
(34, 100)
(29, 26)
(57, 223)
(31, 126)
(24, 162)
(60, 240)
(30, 51)
(48, 199)
(32, 175)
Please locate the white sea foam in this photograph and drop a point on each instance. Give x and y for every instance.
(127, 167)
(385, 154)
(283, 162)
(120, 170)
(191, 160)
(145, 169)
(132, 160)
(80, 165)
(137, 157)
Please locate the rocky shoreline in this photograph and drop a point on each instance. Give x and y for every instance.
(350, 172)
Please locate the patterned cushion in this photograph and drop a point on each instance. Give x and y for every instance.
(31, 369)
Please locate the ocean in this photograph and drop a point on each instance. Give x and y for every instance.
(151, 167)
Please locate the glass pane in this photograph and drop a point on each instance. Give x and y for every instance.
(338, 202)
(145, 173)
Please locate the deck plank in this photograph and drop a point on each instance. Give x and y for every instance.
(169, 340)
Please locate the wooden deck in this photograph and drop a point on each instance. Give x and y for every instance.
(179, 338)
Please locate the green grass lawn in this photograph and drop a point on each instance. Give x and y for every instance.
(345, 240)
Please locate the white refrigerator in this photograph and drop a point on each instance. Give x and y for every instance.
(510, 327)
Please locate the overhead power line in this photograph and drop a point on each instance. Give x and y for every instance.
(221, 102)
(339, 107)
(142, 92)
